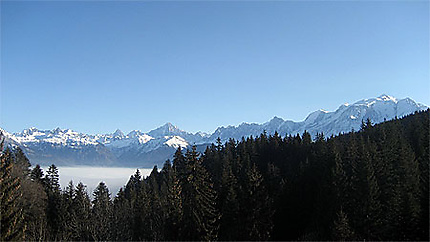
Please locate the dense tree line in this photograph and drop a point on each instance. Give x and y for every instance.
(367, 185)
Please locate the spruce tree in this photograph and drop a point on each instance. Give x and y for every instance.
(155, 223)
(122, 225)
(341, 228)
(12, 219)
(82, 210)
(229, 205)
(54, 203)
(200, 217)
(259, 210)
(171, 199)
(52, 179)
(37, 174)
(68, 214)
(101, 215)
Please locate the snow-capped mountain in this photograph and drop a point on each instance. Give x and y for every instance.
(64, 146)
(346, 118)
(67, 147)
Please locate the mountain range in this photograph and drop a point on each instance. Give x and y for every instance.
(65, 147)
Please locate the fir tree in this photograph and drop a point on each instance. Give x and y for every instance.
(171, 191)
(101, 214)
(82, 209)
(199, 221)
(12, 219)
(53, 212)
(37, 174)
(341, 229)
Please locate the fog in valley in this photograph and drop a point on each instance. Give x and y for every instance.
(114, 177)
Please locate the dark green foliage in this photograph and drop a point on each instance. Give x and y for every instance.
(37, 174)
(366, 185)
(23, 200)
(12, 218)
(200, 217)
(122, 227)
(54, 203)
(341, 228)
(101, 214)
(52, 179)
(81, 208)
(170, 192)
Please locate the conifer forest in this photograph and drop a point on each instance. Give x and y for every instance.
(369, 184)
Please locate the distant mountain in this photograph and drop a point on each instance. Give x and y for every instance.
(138, 149)
(346, 118)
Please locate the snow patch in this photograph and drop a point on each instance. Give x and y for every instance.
(176, 141)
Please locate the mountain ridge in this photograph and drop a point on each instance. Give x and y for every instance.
(68, 147)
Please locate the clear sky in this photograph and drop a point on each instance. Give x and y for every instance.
(97, 66)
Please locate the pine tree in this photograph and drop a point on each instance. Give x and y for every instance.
(142, 211)
(122, 226)
(52, 179)
(306, 138)
(22, 164)
(82, 209)
(101, 214)
(12, 219)
(54, 203)
(171, 192)
(68, 213)
(34, 203)
(366, 125)
(341, 229)
(200, 216)
(155, 223)
(258, 223)
(37, 174)
(229, 205)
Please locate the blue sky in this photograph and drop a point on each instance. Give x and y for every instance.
(98, 66)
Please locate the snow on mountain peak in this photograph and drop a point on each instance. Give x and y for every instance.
(202, 134)
(119, 140)
(57, 130)
(136, 145)
(134, 133)
(166, 129)
(170, 128)
(118, 134)
(29, 131)
(176, 141)
(56, 136)
(381, 100)
(385, 97)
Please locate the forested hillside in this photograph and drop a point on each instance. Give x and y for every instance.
(372, 184)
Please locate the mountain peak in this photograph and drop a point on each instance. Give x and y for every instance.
(57, 130)
(139, 147)
(118, 134)
(385, 97)
(382, 99)
(169, 126)
(134, 133)
(167, 129)
(276, 120)
(29, 131)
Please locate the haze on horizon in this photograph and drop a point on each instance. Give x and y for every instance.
(97, 66)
